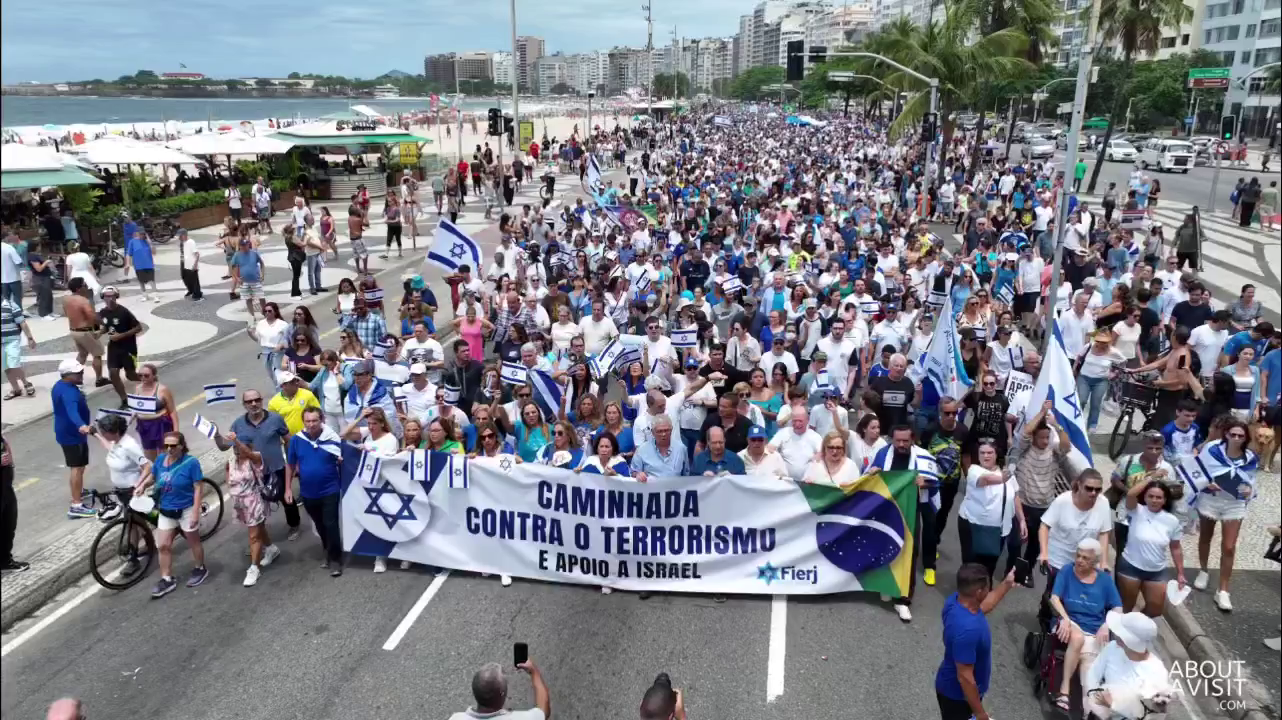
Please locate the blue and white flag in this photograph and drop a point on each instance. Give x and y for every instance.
(731, 284)
(204, 427)
(104, 412)
(625, 359)
(1195, 476)
(220, 393)
(514, 373)
(548, 395)
(451, 247)
(452, 394)
(1231, 475)
(601, 363)
(942, 361)
(143, 403)
(373, 295)
(1057, 384)
(458, 472)
(642, 285)
(685, 338)
(596, 185)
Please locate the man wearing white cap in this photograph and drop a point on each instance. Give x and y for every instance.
(1133, 679)
(291, 401)
(71, 426)
(419, 394)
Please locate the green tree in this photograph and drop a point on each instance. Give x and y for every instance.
(146, 76)
(1134, 26)
(668, 85)
(962, 63)
(1034, 18)
(234, 85)
(263, 83)
(293, 76)
(749, 84)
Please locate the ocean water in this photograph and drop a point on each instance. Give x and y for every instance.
(27, 110)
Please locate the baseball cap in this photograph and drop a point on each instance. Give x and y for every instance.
(285, 376)
(832, 392)
(363, 367)
(1010, 257)
(70, 367)
(418, 369)
(692, 363)
(110, 290)
(756, 432)
(820, 356)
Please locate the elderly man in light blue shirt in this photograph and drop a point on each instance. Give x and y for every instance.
(661, 456)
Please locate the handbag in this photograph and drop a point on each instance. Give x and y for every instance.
(986, 540)
(272, 487)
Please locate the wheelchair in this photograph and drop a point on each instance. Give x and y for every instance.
(1043, 653)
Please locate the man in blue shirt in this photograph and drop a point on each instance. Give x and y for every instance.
(660, 456)
(138, 254)
(1257, 337)
(715, 460)
(1271, 377)
(71, 429)
(962, 678)
(247, 273)
(314, 457)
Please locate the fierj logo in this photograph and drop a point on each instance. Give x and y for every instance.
(770, 574)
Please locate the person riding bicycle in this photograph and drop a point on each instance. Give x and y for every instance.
(177, 477)
(127, 463)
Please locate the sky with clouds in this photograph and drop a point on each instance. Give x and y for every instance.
(86, 40)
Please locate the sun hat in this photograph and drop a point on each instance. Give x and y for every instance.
(1135, 630)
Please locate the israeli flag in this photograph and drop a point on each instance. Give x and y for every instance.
(220, 393)
(104, 412)
(1057, 384)
(942, 362)
(1195, 476)
(143, 403)
(685, 338)
(731, 284)
(458, 472)
(822, 380)
(547, 393)
(602, 362)
(204, 427)
(451, 247)
(642, 286)
(452, 394)
(563, 258)
(373, 295)
(513, 373)
(596, 185)
(1230, 474)
(1006, 295)
(626, 358)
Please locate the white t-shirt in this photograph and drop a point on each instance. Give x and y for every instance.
(233, 197)
(189, 254)
(838, 358)
(771, 465)
(1150, 537)
(817, 473)
(797, 450)
(417, 402)
(1207, 343)
(768, 361)
(694, 408)
(1042, 216)
(124, 462)
(1074, 330)
(271, 334)
(983, 505)
(385, 445)
(1127, 339)
(1098, 366)
(426, 351)
(595, 333)
(563, 333)
(1069, 526)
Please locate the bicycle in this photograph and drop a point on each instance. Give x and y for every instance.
(123, 551)
(1132, 395)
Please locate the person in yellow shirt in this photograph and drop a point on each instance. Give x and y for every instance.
(291, 401)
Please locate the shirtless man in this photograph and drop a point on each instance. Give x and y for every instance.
(83, 321)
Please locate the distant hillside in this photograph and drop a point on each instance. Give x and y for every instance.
(396, 74)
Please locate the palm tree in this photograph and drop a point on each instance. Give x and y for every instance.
(945, 50)
(1135, 27)
(1034, 17)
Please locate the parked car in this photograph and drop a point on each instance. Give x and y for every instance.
(1120, 150)
(1036, 146)
(1061, 142)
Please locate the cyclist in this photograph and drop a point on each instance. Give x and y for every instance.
(177, 477)
(129, 468)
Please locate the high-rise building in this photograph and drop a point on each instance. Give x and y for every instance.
(765, 43)
(439, 69)
(551, 71)
(842, 25)
(743, 53)
(628, 69)
(528, 50)
(501, 68)
(475, 66)
(1245, 34)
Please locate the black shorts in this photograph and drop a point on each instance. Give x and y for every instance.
(235, 213)
(121, 360)
(1025, 303)
(76, 456)
(146, 276)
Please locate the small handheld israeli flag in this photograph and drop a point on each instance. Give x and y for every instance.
(451, 247)
(601, 363)
(458, 472)
(822, 381)
(104, 412)
(142, 403)
(643, 284)
(220, 393)
(513, 373)
(374, 295)
(452, 394)
(204, 426)
(731, 284)
(686, 338)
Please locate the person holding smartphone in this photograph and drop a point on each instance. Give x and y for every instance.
(489, 689)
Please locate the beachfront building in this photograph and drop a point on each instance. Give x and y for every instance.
(528, 50)
(501, 68)
(586, 72)
(551, 71)
(628, 69)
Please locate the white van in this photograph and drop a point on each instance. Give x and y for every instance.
(1166, 154)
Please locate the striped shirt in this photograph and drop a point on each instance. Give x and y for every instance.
(11, 319)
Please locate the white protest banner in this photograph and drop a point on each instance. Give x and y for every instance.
(1017, 381)
(728, 534)
(1133, 220)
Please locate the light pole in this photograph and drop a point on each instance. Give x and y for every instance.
(516, 81)
(1126, 124)
(1070, 162)
(1040, 93)
(458, 108)
(649, 62)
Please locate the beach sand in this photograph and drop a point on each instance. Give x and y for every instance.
(559, 127)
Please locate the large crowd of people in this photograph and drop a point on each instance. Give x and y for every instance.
(782, 284)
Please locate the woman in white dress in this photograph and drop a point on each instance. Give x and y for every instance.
(80, 265)
(832, 467)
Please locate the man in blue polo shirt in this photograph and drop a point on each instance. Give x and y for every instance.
(1257, 337)
(962, 678)
(71, 428)
(265, 432)
(138, 254)
(314, 457)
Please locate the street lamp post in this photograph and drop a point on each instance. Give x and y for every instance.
(458, 108)
(1040, 92)
(516, 80)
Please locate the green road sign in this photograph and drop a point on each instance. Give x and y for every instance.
(1208, 73)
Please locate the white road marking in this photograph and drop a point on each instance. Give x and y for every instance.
(54, 616)
(408, 621)
(778, 643)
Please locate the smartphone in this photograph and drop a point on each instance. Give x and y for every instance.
(1022, 570)
(520, 653)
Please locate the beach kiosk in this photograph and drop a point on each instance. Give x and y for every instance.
(355, 140)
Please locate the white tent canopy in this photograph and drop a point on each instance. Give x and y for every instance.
(229, 143)
(19, 157)
(115, 150)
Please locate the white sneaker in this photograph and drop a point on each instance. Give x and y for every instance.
(904, 613)
(505, 580)
(269, 555)
(1222, 601)
(1202, 580)
(156, 299)
(380, 565)
(251, 576)
(606, 591)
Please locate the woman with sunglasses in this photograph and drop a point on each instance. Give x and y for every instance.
(565, 450)
(302, 358)
(152, 426)
(177, 479)
(350, 347)
(442, 437)
(1126, 337)
(302, 322)
(1093, 369)
(271, 334)
(1232, 468)
(833, 466)
(329, 384)
(245, 485)
(990, 507)
(490, 443)
(974, 319)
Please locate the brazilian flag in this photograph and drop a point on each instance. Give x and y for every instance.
(866, 528)
(651, 213)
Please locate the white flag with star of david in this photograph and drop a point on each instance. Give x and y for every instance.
(452, 248)
(388, 498)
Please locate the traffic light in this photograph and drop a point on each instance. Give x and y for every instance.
(818, 54)
(1228, 126)
(494, 124)
(796, 61)
(929, 126)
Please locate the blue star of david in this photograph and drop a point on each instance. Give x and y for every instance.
(457, 251)
(1071, 400)
(768, 572)
(505, 464)
(402, 513)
